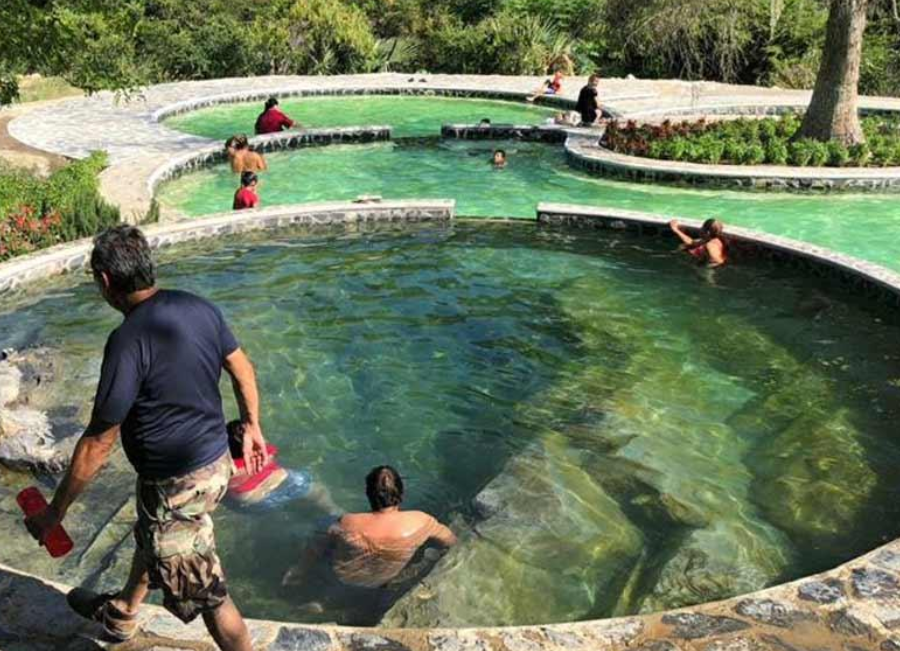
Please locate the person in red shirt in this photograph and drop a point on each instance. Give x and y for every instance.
(272, 120)
(246, 196)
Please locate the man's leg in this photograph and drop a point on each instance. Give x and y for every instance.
(131, 597)
(227, 627)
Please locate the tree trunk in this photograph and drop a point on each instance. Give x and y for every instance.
(832, 112)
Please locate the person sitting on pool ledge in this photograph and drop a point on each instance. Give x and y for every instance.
(242, 158)
(246, 196)
(272, 120)
(549, 87)
(369, 550)
(711, 248)
(499, 159)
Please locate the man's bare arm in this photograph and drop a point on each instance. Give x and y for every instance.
(443, 535)
(91, 454)
(243, 380)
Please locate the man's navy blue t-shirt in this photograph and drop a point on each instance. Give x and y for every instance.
(160, 382)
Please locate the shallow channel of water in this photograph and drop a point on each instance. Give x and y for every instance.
(409, 116)
(863, 225)
(609, 429)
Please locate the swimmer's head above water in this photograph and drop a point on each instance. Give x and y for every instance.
(384, 488)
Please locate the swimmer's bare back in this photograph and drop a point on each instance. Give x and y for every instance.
(372, 548)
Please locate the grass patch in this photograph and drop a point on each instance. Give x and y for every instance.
(769, 141)
(36, 88)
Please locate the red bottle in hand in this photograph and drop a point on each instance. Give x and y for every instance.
(57, 541)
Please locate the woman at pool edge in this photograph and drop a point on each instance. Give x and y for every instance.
(369, 550)
(711, 248)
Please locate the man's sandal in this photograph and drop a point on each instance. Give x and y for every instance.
(118, 626)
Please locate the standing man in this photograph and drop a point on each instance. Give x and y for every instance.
(159, 390)
(588, 102)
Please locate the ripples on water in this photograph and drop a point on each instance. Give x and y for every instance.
(610, 429)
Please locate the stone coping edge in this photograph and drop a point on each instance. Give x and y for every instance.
(208, 101)
(874, 278)
(592, 157)
(213, 154)
(848, 608)
(73, 256)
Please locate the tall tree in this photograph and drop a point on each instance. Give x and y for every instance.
(832, 112)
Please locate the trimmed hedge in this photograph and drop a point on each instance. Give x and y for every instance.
(36, 213)
(745, 141)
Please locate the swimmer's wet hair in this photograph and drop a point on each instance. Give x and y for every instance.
(271, 102)
(384, 488)
(248, 178)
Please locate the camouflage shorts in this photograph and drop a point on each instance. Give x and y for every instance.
(174, 535)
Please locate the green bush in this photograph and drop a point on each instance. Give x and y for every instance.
(818, 153)
(752, 142)
(36, 213)
(799, 153)
(776, 153)
(754, 154)
(838, 154)
(860, 155)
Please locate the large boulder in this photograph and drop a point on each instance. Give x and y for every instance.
(10, 381)
(27, 441)
(550, 530)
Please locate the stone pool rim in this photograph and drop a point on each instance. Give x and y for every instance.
(851, 603)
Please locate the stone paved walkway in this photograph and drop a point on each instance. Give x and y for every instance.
(137, 143)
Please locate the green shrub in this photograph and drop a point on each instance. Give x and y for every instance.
(776, 153)
(754, 154)
(735, 151)
(860, 155)
(768, 130)
(36, 213)
(799, 153)
(818, 153)
(838, 154)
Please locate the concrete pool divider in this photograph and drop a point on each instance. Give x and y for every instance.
(864, 277)
(214, 154)
(74, 256)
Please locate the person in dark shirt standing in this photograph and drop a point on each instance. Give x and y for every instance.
(159, 391)
(588, 102)
(272, 119)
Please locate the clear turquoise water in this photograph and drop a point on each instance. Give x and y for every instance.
(409, 116)
(866, 226)
(657, 436)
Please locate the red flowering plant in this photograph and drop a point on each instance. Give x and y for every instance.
(24, 230)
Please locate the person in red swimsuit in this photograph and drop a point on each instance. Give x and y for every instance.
(272, 120)
(711, 248)
(549, 87)
(246, 196)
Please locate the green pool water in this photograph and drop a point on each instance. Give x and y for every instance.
(863, 225)
(608, 429)
(409, 116)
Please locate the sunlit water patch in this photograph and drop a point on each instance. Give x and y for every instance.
(866, 226)
(409, 115)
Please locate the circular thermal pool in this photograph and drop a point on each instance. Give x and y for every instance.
(608, 429)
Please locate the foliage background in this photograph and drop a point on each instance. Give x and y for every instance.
(96, 44)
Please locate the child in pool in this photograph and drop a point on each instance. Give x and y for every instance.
(247, 489)
(499, 159)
